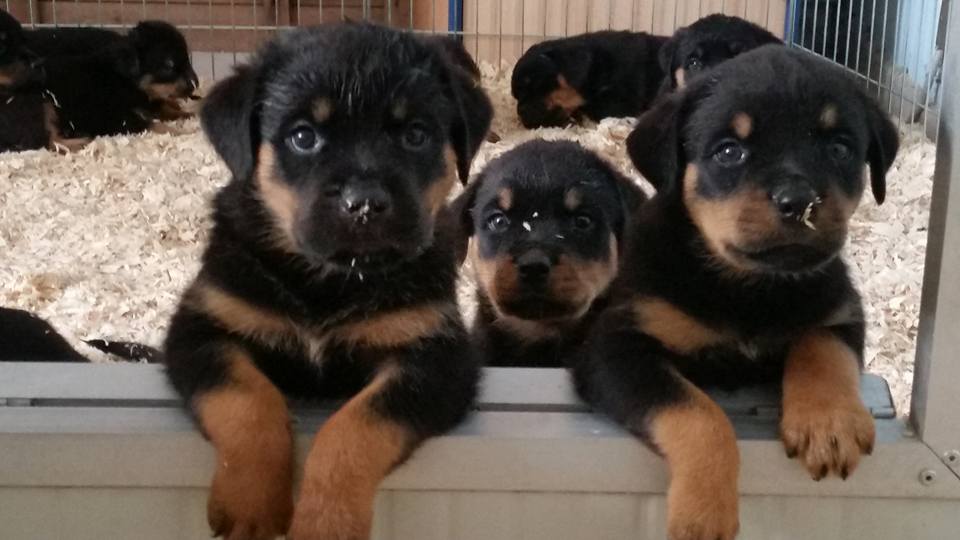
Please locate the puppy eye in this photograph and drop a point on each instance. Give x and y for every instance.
(168, 63)
(730, 154)
(498, 222)
(694, 64)
(582, 222)
(840, 151)
(304, 140)
(415, 137)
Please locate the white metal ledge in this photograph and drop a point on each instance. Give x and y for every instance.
(93, 445)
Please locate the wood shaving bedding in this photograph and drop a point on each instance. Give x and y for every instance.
(101, 242)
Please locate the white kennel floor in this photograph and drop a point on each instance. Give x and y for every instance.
(101, 242)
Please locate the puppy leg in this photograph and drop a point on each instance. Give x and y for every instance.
(824, 423)
(246, 418)
(627, 375)
(406, 402)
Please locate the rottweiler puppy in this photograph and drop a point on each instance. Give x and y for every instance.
(326, 277)
(28, 117)
(160, 64)
(596, 75)
(542, 225)
(705, 43)
(734, 275)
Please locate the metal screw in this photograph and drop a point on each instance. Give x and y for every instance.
(928, 477)
(953, 458)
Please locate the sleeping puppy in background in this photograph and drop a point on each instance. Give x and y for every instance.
(733, 276)
(160, 67)
(28, 117)
(542, 226)
(326, 277)
(595, 75)
(705, 43)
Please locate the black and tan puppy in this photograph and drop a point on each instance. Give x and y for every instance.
(160, 63)
(707, 42)
(595, 75)
(27, 114)
(325, 276)
(543, 225)
(734, 275)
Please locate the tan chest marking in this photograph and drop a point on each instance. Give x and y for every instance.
(675, 329)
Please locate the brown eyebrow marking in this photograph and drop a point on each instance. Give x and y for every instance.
(828, 116)
(742, 125)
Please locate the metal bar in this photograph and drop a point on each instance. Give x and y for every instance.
(836, 31)
(803, 26)
(935, 401)
(826, 26)
(846, 53)
(813, 44)
(931, 72)
(883, 47)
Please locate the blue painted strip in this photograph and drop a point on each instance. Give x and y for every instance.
(455, 15)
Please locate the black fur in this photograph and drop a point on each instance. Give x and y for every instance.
(779, 300)
(539, 175)
(616, 73)
(21, 103)
(707, 42)
(340, 269)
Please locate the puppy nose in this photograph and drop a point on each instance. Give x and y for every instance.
(533, 267)
(794, 200)
(364, 202)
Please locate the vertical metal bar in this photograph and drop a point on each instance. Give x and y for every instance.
(500, 33)
(935, 400)
(789, 30)
(633, 15)
(544, 20)
(893, 65)
(826, 26)
(931, 70)
(883, 47)
(566, 18)
(411, 14)
(816, 6)
(676, 12)
(389, 12)
(803, 26)
(836, 30)
(343, 9)
(700, 8)
(610, 14)
(55, 24)
(766, 16)
(523, 26)
(433, 16)
(873, 37)
(860, 41)
(213, 59)
(320, 10)
(846, 52)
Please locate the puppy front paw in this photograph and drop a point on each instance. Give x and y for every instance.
(696, 513)
(247, 503)
(828, 436)
(335, 516)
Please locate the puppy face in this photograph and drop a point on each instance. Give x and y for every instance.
(15, 59)
(706, 43)
(545, 82)
(767, 159)
(544, 222)
(164, 58)
(350, 137)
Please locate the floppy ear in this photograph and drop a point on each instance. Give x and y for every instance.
(668, 50)
(631, 198)
(884, 142)
(472, 115)
(229, 121)
(123, 60)
(654, 145)
(457, 217)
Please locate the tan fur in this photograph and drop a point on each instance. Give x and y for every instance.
(278, 197)
(322, 109)
(505, 198)
(5, 79)
(527, 331)
(742, 125)
(580, 282)
(824, 421)
(675, 329)
(170, 109)
(828, 117)
(160, 90)
(739, 219)
(55, 140)
(399, 109)
(498, 278)
(398, 327)
(564, 97)
(572, 199)
(700, 446)
(679, 75)
(436, 194)
(240, 317)
(351, 454)
(248, 423)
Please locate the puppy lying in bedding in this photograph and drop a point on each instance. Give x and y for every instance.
(542, 225)
(713, 39)
(326, 276)
(733, 276)
(595, 75)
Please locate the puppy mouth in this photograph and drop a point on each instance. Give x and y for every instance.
(787, 258)
(538, 307)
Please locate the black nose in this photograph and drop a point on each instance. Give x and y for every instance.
(533, 267)
(794, 201)
(364, 202)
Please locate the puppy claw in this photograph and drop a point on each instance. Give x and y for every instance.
(833, 437)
